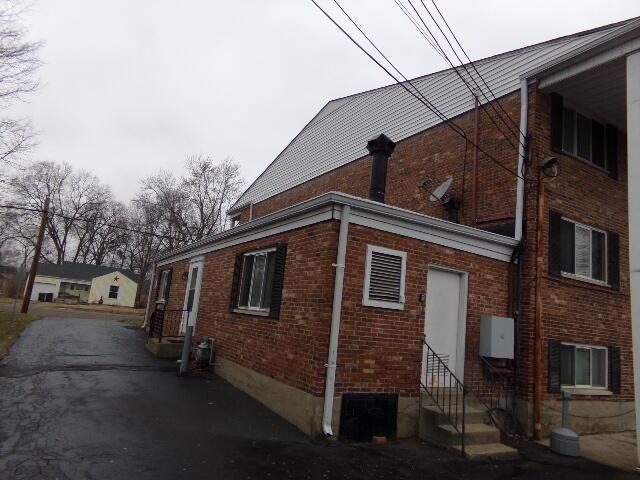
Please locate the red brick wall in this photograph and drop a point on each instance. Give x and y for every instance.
(573, 310)
(380, 349)
(435, 153)
(293, 348)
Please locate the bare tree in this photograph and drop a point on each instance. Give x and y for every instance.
(19, 63)
(193, 206)
(75, 197)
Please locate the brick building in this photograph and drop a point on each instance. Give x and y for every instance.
(371, 256)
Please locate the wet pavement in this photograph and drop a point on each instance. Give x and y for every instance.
(82, 399)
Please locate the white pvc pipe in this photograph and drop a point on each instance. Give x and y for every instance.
(146, 310)
(524, 109)
(633, 181)
(334, 335)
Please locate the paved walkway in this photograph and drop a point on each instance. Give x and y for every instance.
(81, 399)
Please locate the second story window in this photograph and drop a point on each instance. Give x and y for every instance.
(582, 136)
(582, 251)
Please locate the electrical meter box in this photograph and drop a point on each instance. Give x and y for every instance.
(496, 337)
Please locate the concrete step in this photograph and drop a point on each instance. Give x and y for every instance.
(165, 349)
(488, 451)
(475, 434)
(472, 414)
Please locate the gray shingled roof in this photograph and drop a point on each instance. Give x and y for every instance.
(80, 271)
(338, 134)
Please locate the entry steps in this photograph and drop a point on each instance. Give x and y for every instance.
(482, 438)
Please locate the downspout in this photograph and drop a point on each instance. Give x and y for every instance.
(524, 112)
(520, 221)
(474, 182)
(335, 322)
(538, 326)
(146, 310)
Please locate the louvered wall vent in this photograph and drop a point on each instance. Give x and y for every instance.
(384, 282)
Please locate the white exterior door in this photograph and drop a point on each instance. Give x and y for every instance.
(192, 293)
(445, 323)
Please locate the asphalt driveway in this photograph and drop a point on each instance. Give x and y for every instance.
(81, 399)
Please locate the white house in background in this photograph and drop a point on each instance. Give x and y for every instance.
(82, 283)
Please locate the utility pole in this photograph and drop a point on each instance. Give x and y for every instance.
(36, 256)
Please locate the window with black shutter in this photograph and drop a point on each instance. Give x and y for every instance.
(580, 135)
(258, 280)
(582, 251)
(384, 281)
(574, 365)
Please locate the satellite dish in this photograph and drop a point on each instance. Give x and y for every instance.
(438, 195)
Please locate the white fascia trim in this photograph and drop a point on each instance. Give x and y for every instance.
(591, 62)
(590, 50)
(363, 212)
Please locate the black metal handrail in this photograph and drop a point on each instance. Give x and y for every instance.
(497, 398)
(167, 323)
(446, 391)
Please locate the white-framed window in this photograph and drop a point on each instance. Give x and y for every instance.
(113, 291)
(589, 252)
(384, 280)
(583, 137)
(584, 366)
(256, 280)
(163, 285)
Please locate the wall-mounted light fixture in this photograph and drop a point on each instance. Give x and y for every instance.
(185, 275)
(550, 167)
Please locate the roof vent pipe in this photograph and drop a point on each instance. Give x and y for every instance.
(380, 149)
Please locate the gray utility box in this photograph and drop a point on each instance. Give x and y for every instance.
(496, 337)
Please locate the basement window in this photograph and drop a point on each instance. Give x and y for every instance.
(384, 280)
(583, 366)
(256, 284)
(113, 291)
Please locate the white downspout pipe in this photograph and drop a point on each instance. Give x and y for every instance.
(146, 310)
(524, 110)
(334, 335)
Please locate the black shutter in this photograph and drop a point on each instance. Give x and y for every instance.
(556, 121)
(597, 146)
(615, 376)
(278, 281)
(555, 349)
(613, 253)
(235, 282)
(611, 139)
(561, 245)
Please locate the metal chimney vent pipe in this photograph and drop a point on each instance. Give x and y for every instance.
(380, 149)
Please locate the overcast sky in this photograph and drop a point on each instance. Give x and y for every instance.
(131, 87)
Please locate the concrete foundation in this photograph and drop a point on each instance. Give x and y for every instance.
(586, 416)
(303, 409)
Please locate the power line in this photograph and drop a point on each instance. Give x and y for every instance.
(455, 69)
(67, 217)
(451, 124)
(477, 71)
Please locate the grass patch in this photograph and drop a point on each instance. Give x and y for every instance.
(93, 307)
(11, 326)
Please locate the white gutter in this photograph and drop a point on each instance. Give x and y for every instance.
(332, 357)
(524, 111)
